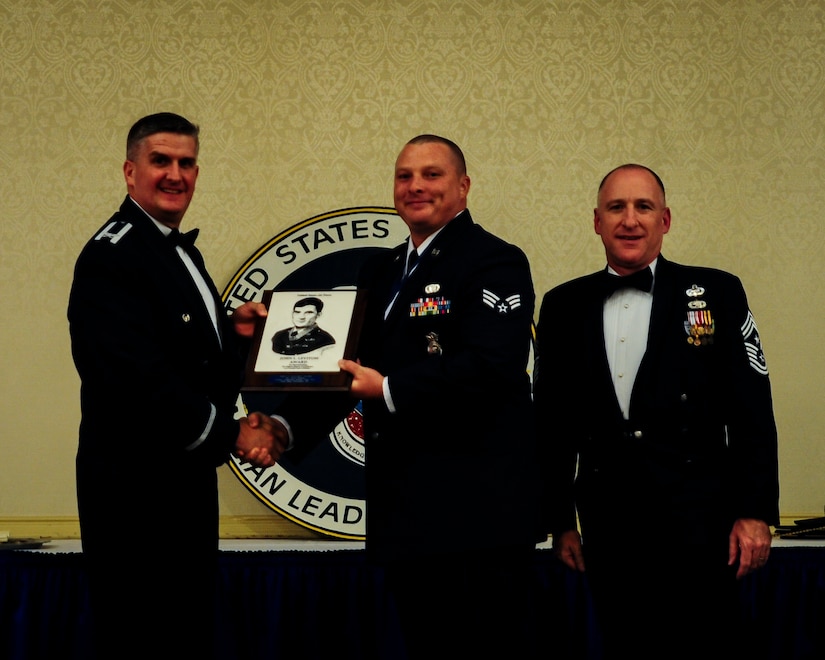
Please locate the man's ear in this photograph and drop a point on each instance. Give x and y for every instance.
(128, 173)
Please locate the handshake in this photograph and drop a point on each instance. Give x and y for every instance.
(261, 440)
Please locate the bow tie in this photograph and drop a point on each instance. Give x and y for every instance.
(641, 279)
(186, 240)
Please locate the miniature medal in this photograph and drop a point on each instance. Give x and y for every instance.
(699, 324)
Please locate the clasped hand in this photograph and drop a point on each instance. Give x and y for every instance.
(261, 440)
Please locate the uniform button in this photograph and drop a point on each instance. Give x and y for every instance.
(374, 435)
(637, 434)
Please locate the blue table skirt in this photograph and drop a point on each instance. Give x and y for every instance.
(297, 605)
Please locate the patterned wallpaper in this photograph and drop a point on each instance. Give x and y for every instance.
(304, 105)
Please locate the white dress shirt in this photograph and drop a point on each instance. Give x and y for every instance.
(626, 318)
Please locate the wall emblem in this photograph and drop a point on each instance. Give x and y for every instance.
(326, 492)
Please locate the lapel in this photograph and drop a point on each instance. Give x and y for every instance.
(388, 280)
(197, 258)
(430, 264)
(183, 291)
(662, 304)
(660, 312)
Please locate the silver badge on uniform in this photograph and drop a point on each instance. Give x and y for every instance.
(114, 231)
(433, 347)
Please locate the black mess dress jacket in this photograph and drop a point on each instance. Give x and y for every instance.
(700, 447)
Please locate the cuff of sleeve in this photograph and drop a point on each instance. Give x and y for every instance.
(212, 414)
(387, 395)
(288, 430)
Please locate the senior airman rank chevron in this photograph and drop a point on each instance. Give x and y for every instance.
(502, 306)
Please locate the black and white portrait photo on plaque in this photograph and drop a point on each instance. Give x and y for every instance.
(304, 335)
(302, 338)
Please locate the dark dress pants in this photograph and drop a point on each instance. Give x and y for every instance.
(473, 604)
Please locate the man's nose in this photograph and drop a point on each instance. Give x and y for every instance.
(629, 219)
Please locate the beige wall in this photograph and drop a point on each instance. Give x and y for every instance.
(304, 105)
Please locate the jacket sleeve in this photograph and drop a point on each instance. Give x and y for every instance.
(554, 407)
(751, 427)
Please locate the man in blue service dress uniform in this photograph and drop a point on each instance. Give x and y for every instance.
(160, 367)
(654, 400)
(443, 372)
